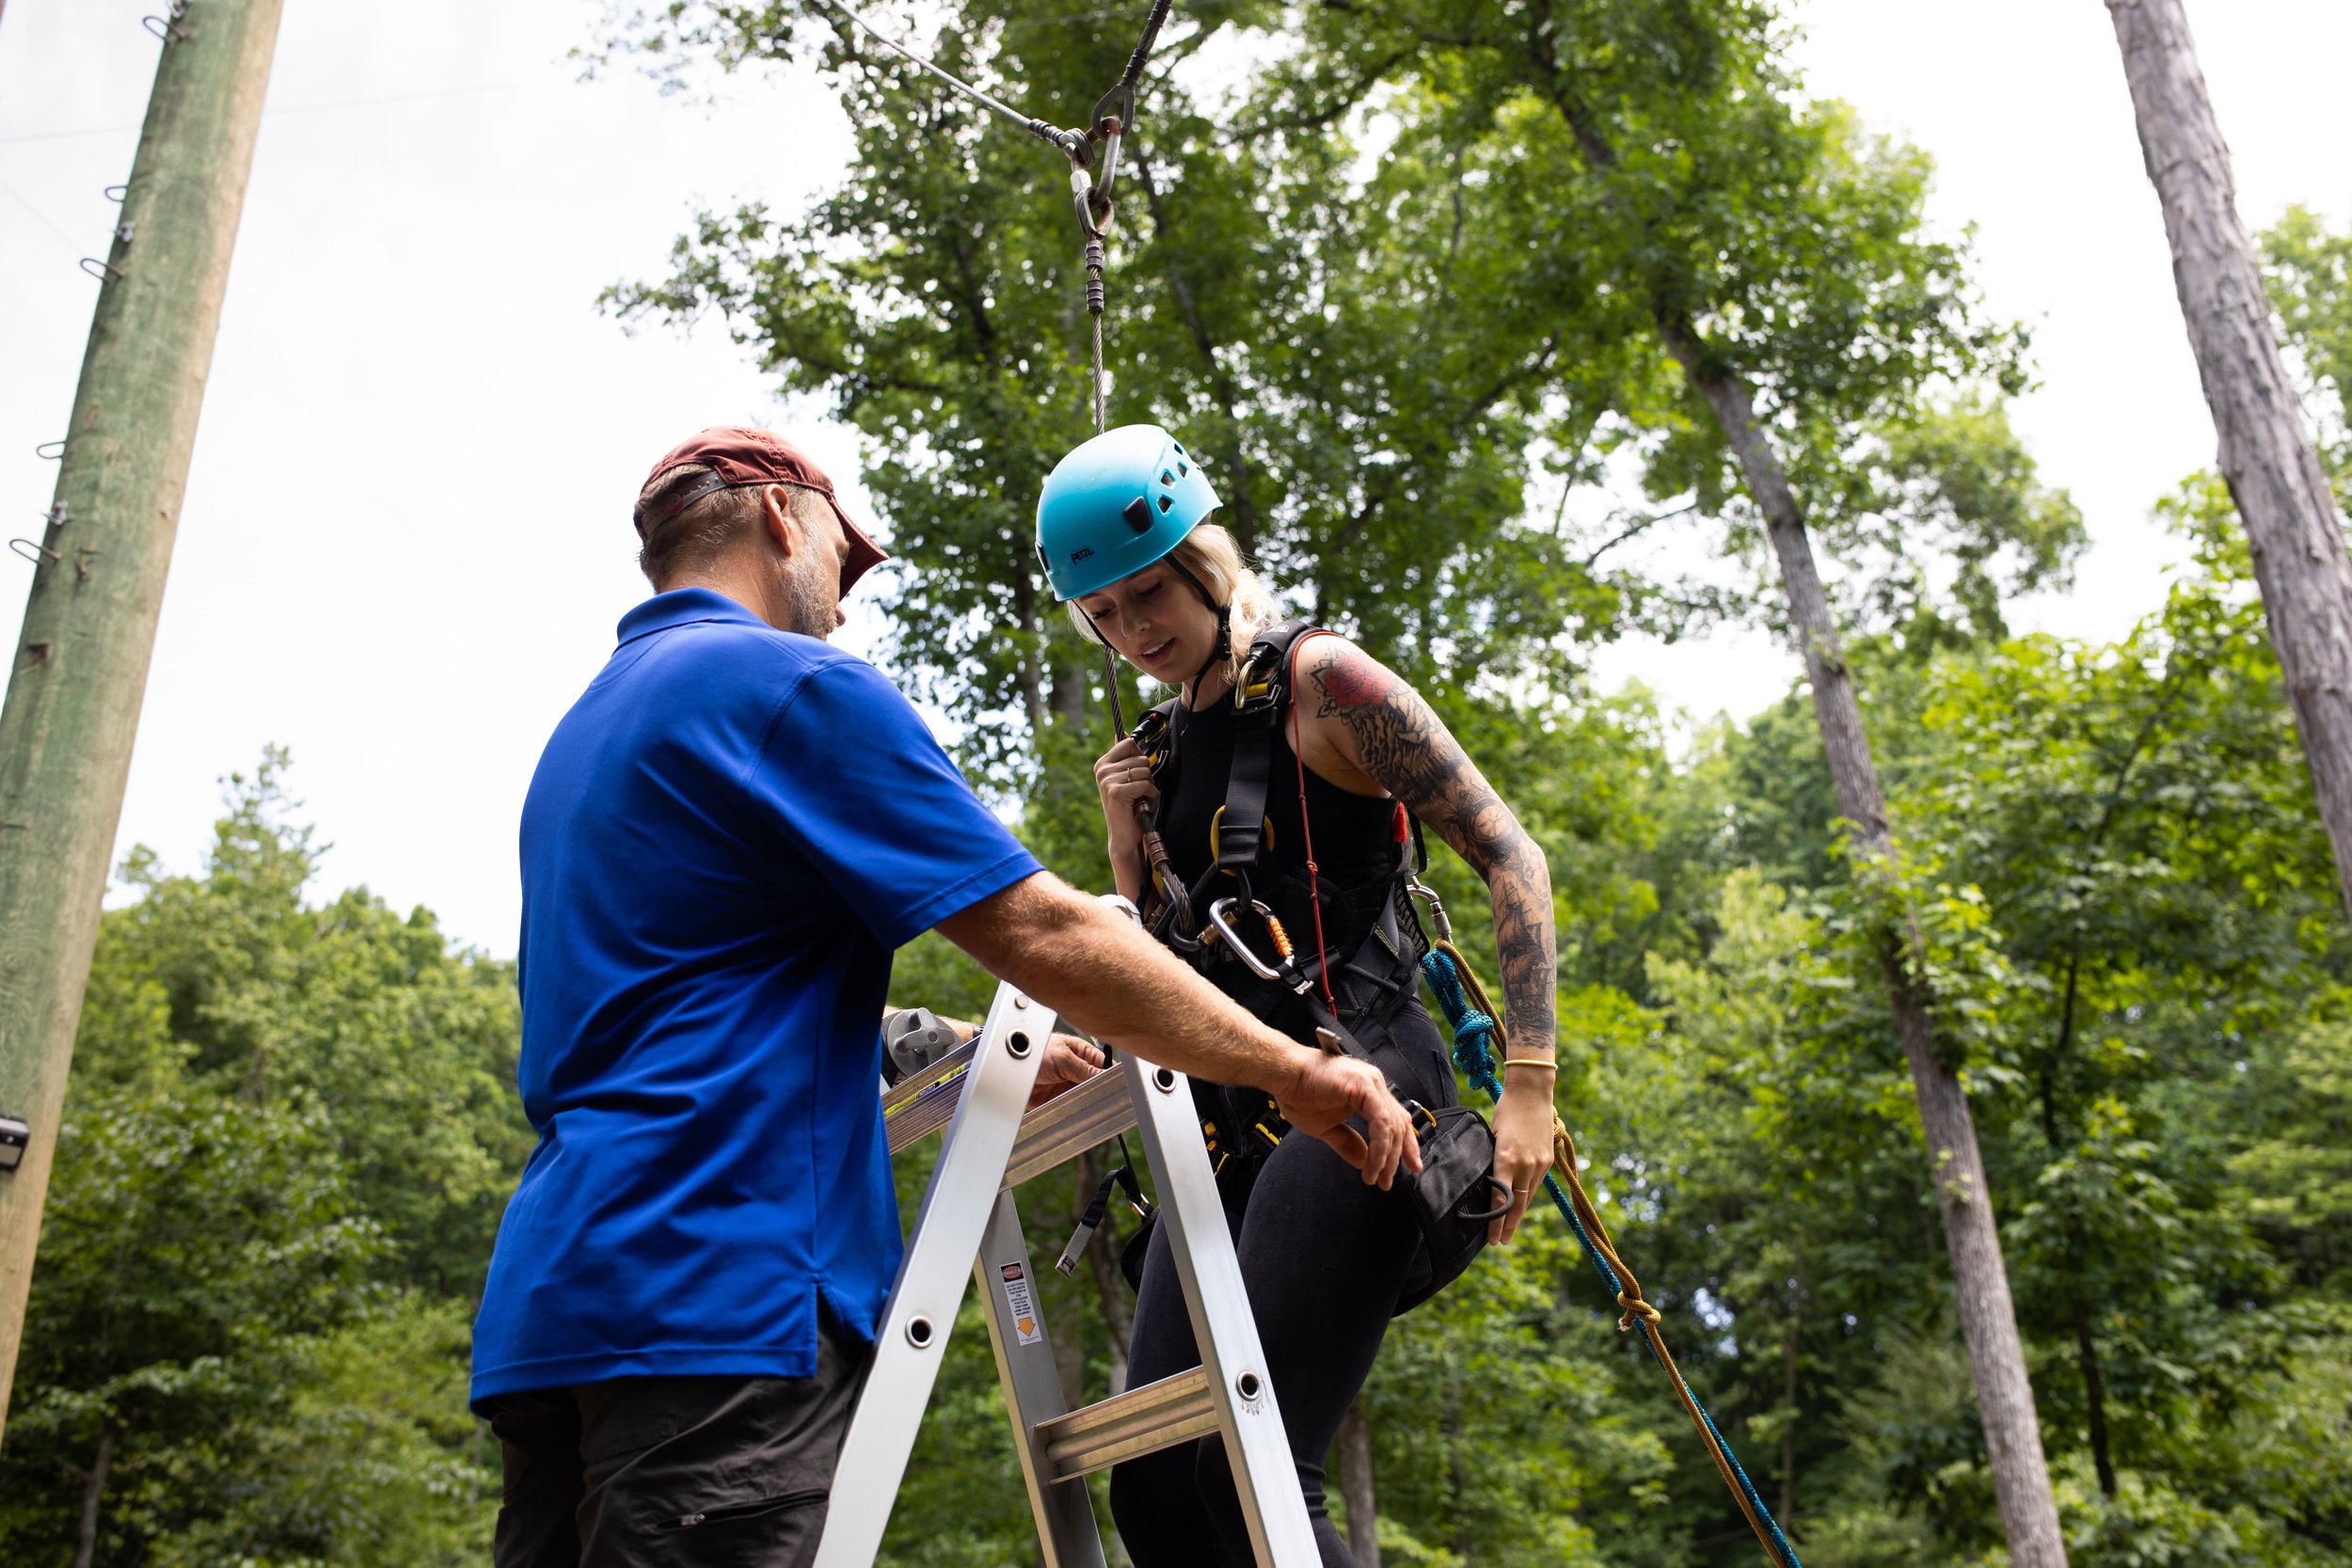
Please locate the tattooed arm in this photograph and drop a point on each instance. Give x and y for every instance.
(1360, 717)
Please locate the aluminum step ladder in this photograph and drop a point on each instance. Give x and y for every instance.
(969, 1225)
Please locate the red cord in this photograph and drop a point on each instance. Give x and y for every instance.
(1315, 878)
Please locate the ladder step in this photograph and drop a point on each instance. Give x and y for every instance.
(921, 1104)
(1070, 1123)
(1139, 1421)
(1055, 1133)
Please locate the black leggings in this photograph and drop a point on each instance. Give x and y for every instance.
(1324, 1257)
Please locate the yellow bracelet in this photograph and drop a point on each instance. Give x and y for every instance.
(1551, 1062)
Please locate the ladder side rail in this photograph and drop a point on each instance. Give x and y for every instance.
(1280, 1534)
(928, 1291)
(1033, 1393)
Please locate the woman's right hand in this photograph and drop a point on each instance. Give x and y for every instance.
(1123, 779)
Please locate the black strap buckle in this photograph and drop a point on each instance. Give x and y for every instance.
(1096, 1211)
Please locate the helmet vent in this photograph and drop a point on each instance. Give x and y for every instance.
(1167, 478)
(1179, 448)
(1137, 513)
(1168, 503)
(1183, 470)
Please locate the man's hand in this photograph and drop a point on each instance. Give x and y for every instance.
(1069, 1062)
(1326, 1090)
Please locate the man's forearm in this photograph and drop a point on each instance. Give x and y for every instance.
(1104, 976)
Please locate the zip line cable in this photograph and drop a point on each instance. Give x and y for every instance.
(1073, 143)
(1114, 116)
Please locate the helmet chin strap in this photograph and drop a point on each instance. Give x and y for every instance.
(1224, 648)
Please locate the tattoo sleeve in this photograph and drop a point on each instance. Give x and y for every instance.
(1405, 748)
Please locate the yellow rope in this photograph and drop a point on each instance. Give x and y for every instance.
(1634, 1309)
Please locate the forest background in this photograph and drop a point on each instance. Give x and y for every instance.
(1365, 266)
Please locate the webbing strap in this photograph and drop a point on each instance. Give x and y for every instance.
(1241, 825)
(1263, 695)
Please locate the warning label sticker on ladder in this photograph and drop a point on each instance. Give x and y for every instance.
(1023, 1304)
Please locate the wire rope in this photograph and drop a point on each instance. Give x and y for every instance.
(1073, 143)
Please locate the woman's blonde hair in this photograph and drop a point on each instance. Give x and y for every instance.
(1209, 553)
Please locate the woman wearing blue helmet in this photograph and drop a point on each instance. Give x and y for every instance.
(1272, 802)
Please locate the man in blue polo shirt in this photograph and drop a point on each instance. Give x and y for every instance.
(726, 838)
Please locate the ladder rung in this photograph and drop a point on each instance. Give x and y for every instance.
(923, 1103)
(1061, 1130)
(1070, 1123)
(1156, 1416)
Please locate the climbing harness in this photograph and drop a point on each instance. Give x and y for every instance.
(1477, 1030)
(1362, 963)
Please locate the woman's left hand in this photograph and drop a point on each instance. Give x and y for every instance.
(1522, 1124)
(1069, 1062)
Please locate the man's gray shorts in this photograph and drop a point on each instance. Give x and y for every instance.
(647, 1471)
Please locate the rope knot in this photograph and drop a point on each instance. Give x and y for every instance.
(1635, 1309)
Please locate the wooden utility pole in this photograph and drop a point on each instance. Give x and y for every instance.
(79, 669)
(2266, 451)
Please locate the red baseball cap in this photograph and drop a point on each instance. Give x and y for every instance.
(742, 454)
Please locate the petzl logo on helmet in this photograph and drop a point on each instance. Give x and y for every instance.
(1077, 556)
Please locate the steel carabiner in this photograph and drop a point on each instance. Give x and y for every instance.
(1219, 926)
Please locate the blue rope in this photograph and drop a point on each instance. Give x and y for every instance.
(1474, 1038)
(1473, 1031)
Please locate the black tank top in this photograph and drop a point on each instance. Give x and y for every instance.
(1356, 837)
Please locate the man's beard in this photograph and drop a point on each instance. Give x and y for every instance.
(810, 614)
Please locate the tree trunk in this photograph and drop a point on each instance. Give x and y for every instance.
(1457, 1472)
(2095, 1397)
(2265, 450)
(1354, 1449)
(1987, 1320)
(93, 1492)
(1241, 510)
(1067, 698)
(1788, 1393)
(1032, 679)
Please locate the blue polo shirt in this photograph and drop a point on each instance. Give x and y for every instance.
(726, 838)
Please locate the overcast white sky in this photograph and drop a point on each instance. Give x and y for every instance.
(405, 545)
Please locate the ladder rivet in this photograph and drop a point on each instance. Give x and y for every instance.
(1018, 1044)
(1164, 1081)
(919, 1332)
(1247, 1386)
(1019, 1000)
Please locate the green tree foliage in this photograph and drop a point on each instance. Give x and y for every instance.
(290, 1132)
(2308, 269)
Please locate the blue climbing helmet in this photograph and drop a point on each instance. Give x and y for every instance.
(1117, 504)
